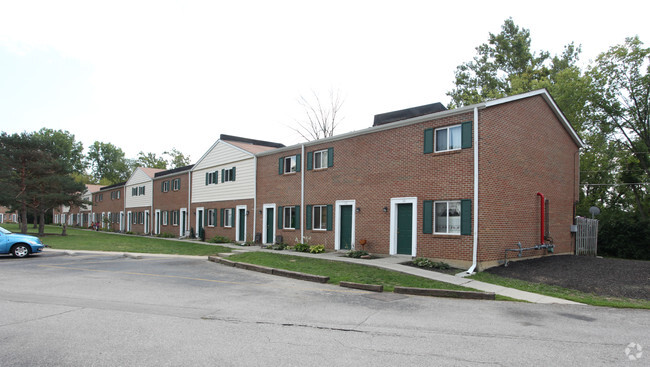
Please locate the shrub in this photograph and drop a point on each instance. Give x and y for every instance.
(423, 262)
(202, 234)
(316, 249)
(165, 235)
(220, 239)
(301, 247)
(280, 246)
(357, 254)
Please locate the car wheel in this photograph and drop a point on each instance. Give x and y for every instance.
(20, 250)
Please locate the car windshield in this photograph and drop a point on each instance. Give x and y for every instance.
(4, 231)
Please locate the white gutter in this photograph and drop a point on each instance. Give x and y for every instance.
(302, 193)
(254, 199)
(475, 240)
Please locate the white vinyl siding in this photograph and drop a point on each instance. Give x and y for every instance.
(242, 188)
(141, 182)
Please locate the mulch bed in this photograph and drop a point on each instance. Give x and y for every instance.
(602, 276)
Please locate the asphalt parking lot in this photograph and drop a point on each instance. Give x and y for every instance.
(58, 309)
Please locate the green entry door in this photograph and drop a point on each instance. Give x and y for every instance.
(269, 225)
(404, 228)
(346, 227)
(242, 225)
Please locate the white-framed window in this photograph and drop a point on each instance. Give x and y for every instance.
(165, 186)
(134, 191)
(175, 217)
(320, 159)
(319, 217)
(176, 184)
(118, 194)
(141, 190)
(210, 178)
(227, 217)
(290, 164)
(289, 220)
(140, 217)
(448, 138)
(447, 217)
(211, 217)
(165, 217)
(228, 174)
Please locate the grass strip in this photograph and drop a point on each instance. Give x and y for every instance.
(342, 271)
(78, 239)
(560, 292)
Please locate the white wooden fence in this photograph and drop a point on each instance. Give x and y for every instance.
(586, 236)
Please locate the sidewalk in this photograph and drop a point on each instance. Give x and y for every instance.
(393, 263)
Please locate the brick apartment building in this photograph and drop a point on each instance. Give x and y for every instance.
(460, 186)
(108, 207)
(415, 183)
(171, 200)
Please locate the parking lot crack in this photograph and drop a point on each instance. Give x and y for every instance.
(42, 317)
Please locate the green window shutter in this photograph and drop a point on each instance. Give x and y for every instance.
(233, 174)
(221, 217)
(207, 175)
(222, 174)
(281, 165)
(298, 215)
(466, 217)
(310, 158)
(427, 220)
(329, 217)
(466, 135)
(205, 218)
(280, 215)
(179, 183)
(308, 215)
(297, 162)
(428, 141)
(162, 188)
(330, 157)
(214, 217)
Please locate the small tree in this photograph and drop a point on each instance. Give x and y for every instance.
(321, 118)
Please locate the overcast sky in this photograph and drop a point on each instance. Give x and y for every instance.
(153, 75)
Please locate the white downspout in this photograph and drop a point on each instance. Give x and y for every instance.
(302, 193)
(475, 239)
(189, 203)
(255, 198)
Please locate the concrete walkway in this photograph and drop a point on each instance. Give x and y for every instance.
(394, 263)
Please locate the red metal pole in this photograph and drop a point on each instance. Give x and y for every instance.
(541, 218)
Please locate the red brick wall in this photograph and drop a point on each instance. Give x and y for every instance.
(217, 230)
(524, 149)
(372, 169)
(138, 228)
(109, 205)
(170, 200)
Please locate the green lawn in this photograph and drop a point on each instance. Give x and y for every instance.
(342, 271)
(560, 292)
(78, 239)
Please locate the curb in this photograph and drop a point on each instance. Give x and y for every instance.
(272, 271)
(443, 293)
(365, 287)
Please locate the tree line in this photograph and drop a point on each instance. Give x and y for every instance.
(607, 103)
(41, 170)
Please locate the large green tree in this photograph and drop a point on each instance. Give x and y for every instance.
(177, 159)
(108, 163)
(621, 114)
(35, 176)
(150, 160)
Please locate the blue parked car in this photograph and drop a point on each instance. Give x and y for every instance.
(19, 245)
